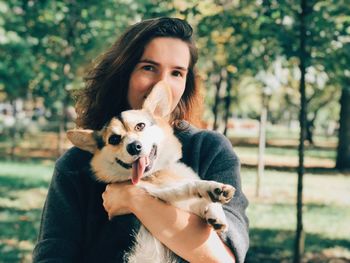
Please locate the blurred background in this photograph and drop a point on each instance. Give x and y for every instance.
(270, 70)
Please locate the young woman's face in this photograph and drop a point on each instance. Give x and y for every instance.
(165, 59)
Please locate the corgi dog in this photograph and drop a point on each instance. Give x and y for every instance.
(139, 145)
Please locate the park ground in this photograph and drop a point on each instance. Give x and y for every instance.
(272, 215)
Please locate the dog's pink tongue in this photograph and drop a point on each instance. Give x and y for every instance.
(138, 168)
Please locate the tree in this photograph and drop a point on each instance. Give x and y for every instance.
(303, 55)
(343, 150)
(225, 42)
(16, 57)
(16, 60)
(341, 61)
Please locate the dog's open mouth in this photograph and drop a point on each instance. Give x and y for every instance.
(140, 165)
(124, 165)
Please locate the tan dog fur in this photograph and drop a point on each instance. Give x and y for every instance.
(167, 179)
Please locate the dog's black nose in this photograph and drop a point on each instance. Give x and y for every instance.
(134, 148)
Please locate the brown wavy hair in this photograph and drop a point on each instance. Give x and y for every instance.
(105, 93)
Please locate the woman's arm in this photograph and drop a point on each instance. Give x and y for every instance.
(184, 233)
(211, 156)
(217, 161)
(60, 230)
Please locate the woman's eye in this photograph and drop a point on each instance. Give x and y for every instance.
(148, 68)
(114, 139)
(177, 74)
(140, 126)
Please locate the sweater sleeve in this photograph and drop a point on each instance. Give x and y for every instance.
(218, 162)
(61, 227)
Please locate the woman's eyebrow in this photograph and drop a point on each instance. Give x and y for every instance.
(145, 60)
(150, 61)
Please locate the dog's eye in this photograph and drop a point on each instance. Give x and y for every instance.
(140, 126)
(114, 139)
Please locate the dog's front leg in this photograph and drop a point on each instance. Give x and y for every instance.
(210, 190)
(215, 216)
(190, 197)
(172, 194)
(213, 213)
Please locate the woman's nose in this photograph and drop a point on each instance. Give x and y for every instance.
(163, 76)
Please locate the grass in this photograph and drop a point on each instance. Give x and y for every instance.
(273, 216)
(23, 187)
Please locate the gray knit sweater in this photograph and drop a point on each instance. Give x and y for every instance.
(75, 227)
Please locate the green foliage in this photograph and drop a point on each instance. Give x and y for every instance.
(46, 47)
(48, 42)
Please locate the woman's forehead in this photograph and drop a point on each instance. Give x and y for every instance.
(167, 50)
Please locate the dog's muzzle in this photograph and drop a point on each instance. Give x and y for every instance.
(152, 156)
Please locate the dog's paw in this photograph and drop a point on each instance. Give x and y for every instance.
(217, 225)
(216, 219)
(221, 193)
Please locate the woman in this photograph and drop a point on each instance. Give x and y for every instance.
(75, 224)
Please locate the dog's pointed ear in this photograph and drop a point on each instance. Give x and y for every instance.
(159, 101)
(83, 139)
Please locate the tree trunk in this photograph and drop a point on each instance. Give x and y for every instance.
(63, 123)
(262, 143)
(310, 127)
(299, 238)
(217, 101)
(228, 100)
(61, 135)
(309, 132)
(14, 131)
(343, 151)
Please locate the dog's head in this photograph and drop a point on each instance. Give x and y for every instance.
(134, 144)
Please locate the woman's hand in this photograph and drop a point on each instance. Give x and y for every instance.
(117, 198)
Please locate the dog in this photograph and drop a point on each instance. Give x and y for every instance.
(139, 145)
